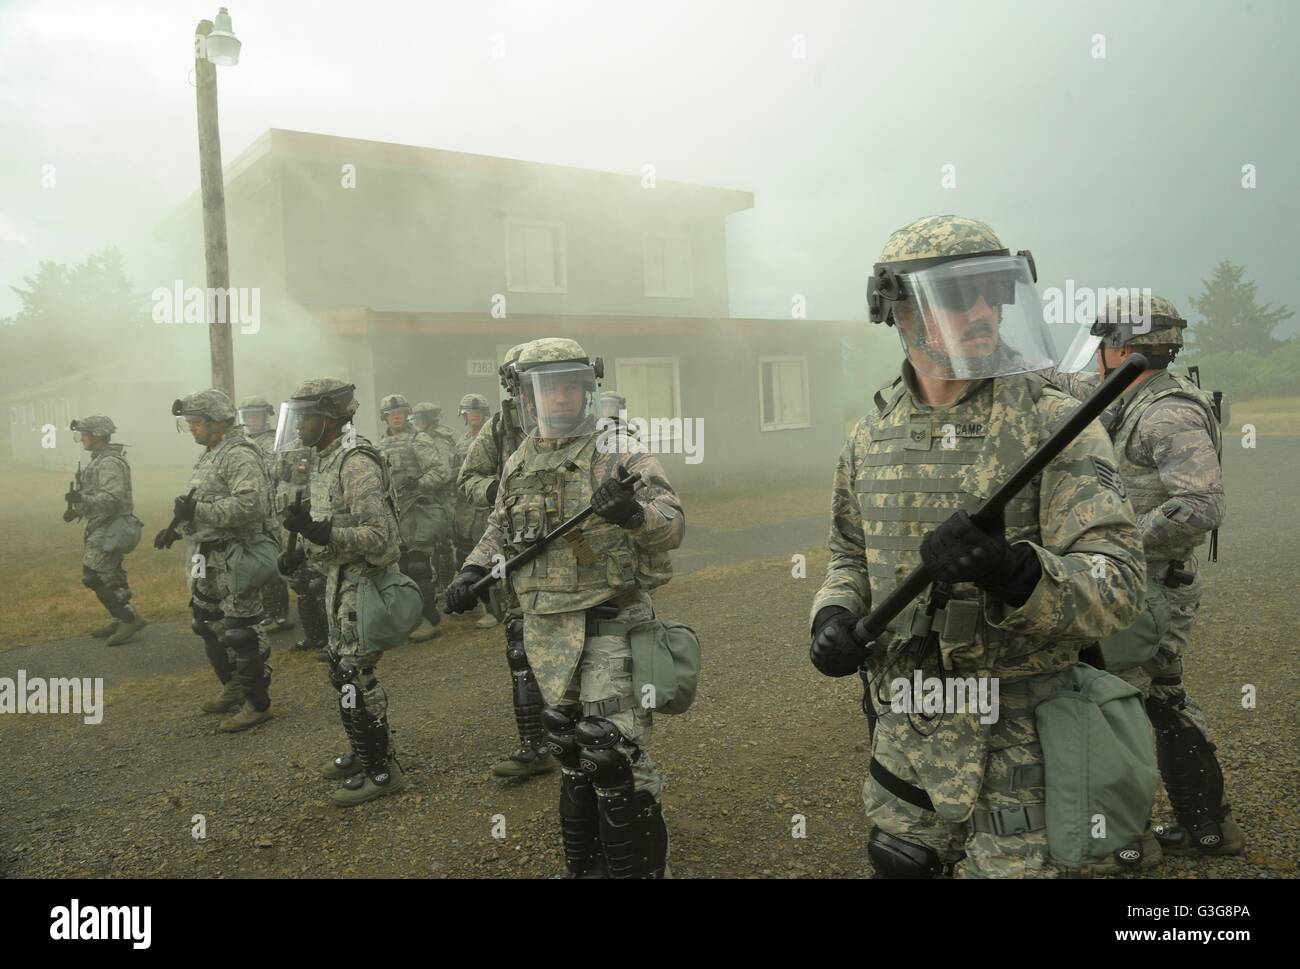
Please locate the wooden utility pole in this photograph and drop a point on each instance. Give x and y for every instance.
(215, 253)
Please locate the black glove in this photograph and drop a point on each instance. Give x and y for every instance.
(460, 597)
(614, 501)
(70, 514)
(492, 491)
(961, 551)
(834, 650)
(183, 508)
(72, 497)
(288, 563)
(297, 518)
(164, 539)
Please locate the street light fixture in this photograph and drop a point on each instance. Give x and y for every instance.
(223, 45)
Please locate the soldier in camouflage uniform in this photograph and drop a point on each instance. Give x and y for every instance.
(103, 498)
(478, 482)
(254, 414)
(348, 528)
(1168, 441)
(422, 473)
(427, 418)
(230, 506)
(579, 598)
(1024, 599)
(470, 519)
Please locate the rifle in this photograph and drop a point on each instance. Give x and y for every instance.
(873, 625)
(74, 488)
(1216, 405)
(481, 587)
(292, 545)
(169, 535)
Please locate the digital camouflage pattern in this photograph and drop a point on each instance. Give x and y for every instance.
(232, 491)
(1165, 323)
(393, 402)
(598, 563)
(351, 486)
(96, 424)
(330, 407)
(212, 405)
(474, 402)
(939, 235)
(906, 467)
(549, 350)
(105, 496)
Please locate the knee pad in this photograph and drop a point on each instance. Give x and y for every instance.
(90, 580)
(1163, 711)
(203, 618)
(893, 857)
(416, 566)
(559, 723)
(242, 639)
(602, 760)
(343, 671)
(516, 658)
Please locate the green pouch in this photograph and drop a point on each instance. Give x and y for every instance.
(1100, 766)
(389, 607)
(121, 535)
(665, 665)
(1140, 641)
(419, 525)
(251, 564)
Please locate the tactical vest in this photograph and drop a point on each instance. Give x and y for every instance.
(589, 565)
(91, 483)
(1142, 482)
(920, 467)
(398, 450)
(208, 481)
(326, 486)
(293, 474)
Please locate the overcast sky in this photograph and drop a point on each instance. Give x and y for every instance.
(1122, 170)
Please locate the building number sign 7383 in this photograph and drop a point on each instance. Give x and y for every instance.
(481, 368)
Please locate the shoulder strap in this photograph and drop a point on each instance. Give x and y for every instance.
(880, 397)
(373, 453)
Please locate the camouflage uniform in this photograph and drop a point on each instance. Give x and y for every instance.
(477, 482)
(907, 467)
(470, 519)
(422, 474)
(103, 497)
(1169, 445)
(275, 594)
(579, 597)
(232, 494)
(350, 487)
(445, 558)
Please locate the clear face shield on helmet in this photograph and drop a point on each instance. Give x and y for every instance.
(974, 318)
(254, 418)
(301, 425)
(558, 400)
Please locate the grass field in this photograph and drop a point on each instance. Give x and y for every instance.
(1270, 415)
(40, 559)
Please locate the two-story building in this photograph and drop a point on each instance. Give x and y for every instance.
(411, 270)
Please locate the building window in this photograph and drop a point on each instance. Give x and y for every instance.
(653, 392)
(783, 393)
(535, 261)
(667, 266)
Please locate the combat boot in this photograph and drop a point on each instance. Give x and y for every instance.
(275, 624)
(362, 787)
(231, 699)
(1138, 856)
(525, 763)
(1204, 840)
(487, 620)
(342, 767)
(127, 632)
(103, 632)
(247, 717)
(425, 632)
